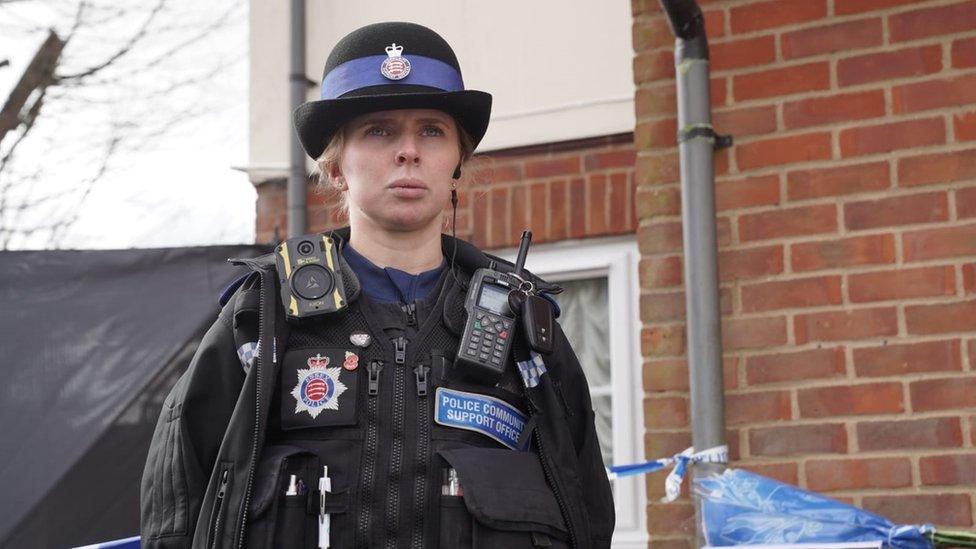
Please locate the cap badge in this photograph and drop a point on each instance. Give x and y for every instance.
(395, 66)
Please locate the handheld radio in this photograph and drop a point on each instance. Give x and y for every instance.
(494, 303)
(311, 281)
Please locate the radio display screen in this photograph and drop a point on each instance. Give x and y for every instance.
(494, 298)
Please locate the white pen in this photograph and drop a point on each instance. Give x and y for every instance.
(325, 486)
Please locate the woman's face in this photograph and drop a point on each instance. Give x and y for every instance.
(397, 167)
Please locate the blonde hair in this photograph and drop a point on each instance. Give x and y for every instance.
(332, 156)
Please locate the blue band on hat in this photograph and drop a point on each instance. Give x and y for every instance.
(365, 71)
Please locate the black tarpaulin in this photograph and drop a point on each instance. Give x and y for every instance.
(82, 336)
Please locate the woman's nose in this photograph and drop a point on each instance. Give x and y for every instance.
(407, 153)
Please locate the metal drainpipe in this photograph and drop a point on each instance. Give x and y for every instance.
(297, 82)
(696, 147)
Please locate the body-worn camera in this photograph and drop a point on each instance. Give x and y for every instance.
(311, 281)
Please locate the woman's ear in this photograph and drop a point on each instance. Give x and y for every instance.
(335, 175)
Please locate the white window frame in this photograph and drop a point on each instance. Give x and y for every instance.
(615, 258)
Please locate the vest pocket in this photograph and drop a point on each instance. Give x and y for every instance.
(505, 502)
(281, 513)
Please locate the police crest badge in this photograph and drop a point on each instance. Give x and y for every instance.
(318, 387)
(395, 66)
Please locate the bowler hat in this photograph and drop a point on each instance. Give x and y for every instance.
(388, 66)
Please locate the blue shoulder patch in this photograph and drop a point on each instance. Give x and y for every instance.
(232, 287)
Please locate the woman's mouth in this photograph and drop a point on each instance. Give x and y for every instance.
(408, 188)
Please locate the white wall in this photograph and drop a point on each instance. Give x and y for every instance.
(558, 70)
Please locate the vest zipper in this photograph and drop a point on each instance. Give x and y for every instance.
(397, 439)
(369, 461)
(423, 445)
(263, 348)
(543, 458)
(411, 311)
(217, 508)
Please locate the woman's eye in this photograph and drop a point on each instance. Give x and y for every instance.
(433, 131)
(377, 130)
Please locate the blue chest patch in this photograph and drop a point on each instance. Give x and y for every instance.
(483, 414)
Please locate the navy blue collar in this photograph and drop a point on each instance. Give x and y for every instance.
(389, 284)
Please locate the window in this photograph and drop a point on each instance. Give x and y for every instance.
(600, 318)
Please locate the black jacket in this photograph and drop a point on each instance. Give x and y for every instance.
(199, 484)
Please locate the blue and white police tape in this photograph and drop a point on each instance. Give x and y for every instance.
(532, 369)
(127, 543)
(672, 485)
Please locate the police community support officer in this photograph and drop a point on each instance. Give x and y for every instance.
(365, 403)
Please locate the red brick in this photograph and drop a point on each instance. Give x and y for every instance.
(666, 443)
(966, 202)
(596, 206)
(846, 36)
(552, 167)
(948, 470)
(622, 207)
(943, 509)
(845, 400)
(964, 53)
(497, 171)
(937, 168)
(479, 218)
(651, 33)
(747, 192)
(781, 81)
(823, 438)
(884, 138)
(747, 52)
(653, 65)
(665, 375)
(897, 360)
(909, 434)
(519, 212)
(941, 318)
(753, 333)
(662, 307)
(717, 91)
(898, 210)
(757, 407)
(845, 325)
(558, 202)
(902, 284)
(659, 238)
(744, 121)
(941, 242)
(889, 65)
(969, 278)
(671, 518)
(783, 150)
(934, 94)
(787, 473)
(657, 201)
(847, 7)
(775, 13)
(655, 101)
(858, 250)
(816, 111)
(539, 208)
(937, 21)
(657, 169)
(786, 222)
(822, 182)
(620, 158)
(824, 475)
(663, 341)
(656, 134)
(943, 394)
(498, 199)
(577, 208)
(790, 294)
(811, 364)
(660, 272)
(750, 263)
(964, 126)
(666, 412)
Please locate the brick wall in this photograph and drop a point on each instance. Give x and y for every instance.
(571, 189)
(847, 236)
